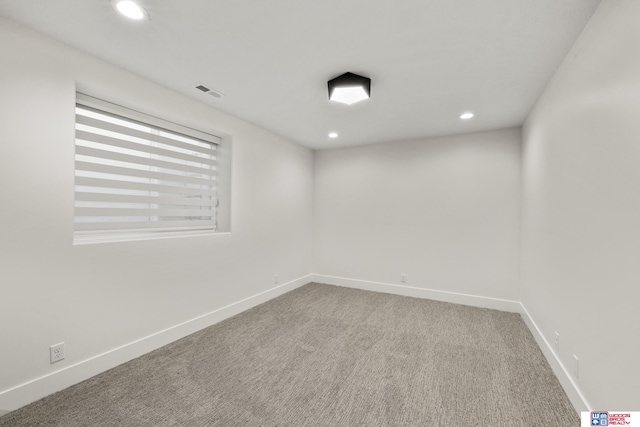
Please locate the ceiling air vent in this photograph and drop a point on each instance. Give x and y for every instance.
(206, 89)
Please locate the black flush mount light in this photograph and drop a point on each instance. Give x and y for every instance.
(349, 88)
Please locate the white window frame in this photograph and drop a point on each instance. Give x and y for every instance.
(135, 186)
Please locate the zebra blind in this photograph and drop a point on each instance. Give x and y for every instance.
(132, 176)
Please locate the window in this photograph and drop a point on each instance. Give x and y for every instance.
(138, 176)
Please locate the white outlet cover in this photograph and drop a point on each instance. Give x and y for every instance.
(56, 353)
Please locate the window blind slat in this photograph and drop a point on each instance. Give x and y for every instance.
(104, 154)
(132, 226)
(112, 127)
(125, 198)
(117, 170)
(114, 142)
(130, 212)
(141, 186)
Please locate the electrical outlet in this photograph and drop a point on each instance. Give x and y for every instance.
(275, 279)
(557, 342)
(56, 353)
(577, 367)
(403, 278)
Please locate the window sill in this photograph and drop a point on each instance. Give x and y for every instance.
(134, 237)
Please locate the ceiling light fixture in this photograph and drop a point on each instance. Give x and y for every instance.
(466, 116)
(333, 135)
(349, 88)
(130, 9)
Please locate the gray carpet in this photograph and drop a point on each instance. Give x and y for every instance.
(327, 356)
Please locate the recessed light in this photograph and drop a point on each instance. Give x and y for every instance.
(466, 116)
(130, 9)
(349, 88)
(333, 135)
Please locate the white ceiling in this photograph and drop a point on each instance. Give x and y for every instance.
(429, 60)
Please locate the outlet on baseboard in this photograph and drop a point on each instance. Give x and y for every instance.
(275, 279)
(403, 278)
(557, 343)
(56, 353)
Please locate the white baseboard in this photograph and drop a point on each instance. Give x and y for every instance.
(38, 388)
(409, 291)
(566, 379)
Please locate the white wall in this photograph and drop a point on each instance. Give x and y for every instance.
(444, 211)
(581, 205)
(99, 297)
